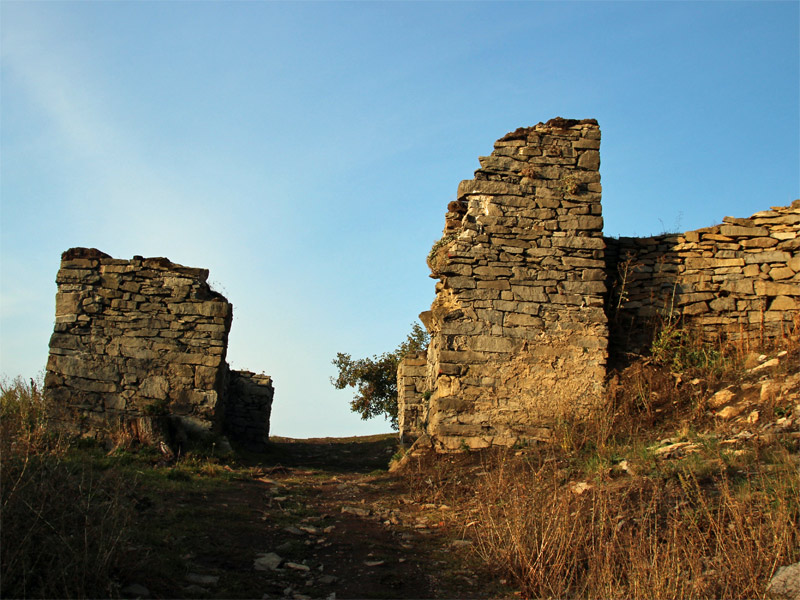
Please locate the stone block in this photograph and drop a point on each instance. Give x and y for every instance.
(713, 263)
(68, 303)
(494, 188)
(771, 288)
(589, 160)
(759, 242)
(461, 282)
(722, 304)
(739, 231)
(584, 287)
(737, 286)
(155, 386)
(695, 309)
(492, 344)
(781, 273)
(583, 243)
(526, 293)
(772, 256)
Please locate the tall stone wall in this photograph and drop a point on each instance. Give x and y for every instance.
(518, 331)
(138, 338)
(736, 281)
(530, 293)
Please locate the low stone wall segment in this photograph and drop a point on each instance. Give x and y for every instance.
(248, 406)
(737, 281)
(411, 395)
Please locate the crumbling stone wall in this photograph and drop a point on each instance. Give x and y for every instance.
(411, 395)
(737, 281)
(528, 286)
(248, 406)
(137, 339)
(518, 331)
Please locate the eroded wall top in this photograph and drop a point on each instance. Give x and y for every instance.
(136, 337)
(518, 331)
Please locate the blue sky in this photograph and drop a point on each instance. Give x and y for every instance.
(305, 152)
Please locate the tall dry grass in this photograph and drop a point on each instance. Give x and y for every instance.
(643, 537)
(566, 519)
(63, 523)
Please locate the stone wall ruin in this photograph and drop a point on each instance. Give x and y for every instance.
(518, 331)
(530, 293)
(147, 339)
(737, 281)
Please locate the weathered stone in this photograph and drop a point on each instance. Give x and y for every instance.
(770, 288)
(737, 231)
(589, 160)
(150, 348)
(267, 562)
(759, 242)
(155, 387)
(786, 583)
(529, 340)
(774, 256)
(784, 303)
(721, 398)
(780, 273)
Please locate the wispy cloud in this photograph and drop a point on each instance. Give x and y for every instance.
(126, 199)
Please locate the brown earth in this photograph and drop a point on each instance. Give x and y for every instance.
(342, 526)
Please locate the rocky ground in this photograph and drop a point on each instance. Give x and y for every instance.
(315, 519)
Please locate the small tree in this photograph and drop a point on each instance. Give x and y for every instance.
(375, 379)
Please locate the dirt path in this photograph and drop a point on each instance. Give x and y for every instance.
(320, 519)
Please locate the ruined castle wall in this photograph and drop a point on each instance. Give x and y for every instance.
(411, 400)
(137, 338)
(518, 330)
(737, 281)
(248, 405)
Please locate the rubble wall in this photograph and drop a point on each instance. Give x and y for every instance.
(248, 405)
(530, 293)
(737, 281)
(518, 330)
(411, 395)
(138, 338)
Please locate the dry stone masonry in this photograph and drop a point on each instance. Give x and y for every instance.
(518, 331)
(530, 292)
(738, 281)
(146, 338)
(411, 394)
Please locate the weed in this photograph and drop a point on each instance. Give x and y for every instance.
(597, 513)
(433, 256)
(156, 408)
(64, 523)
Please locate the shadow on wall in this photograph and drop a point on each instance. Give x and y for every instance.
(734, 282)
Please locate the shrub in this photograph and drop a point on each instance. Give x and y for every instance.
(375, 379)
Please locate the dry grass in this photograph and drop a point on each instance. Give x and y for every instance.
(645, 537)
(64, 523)
(596, 514)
